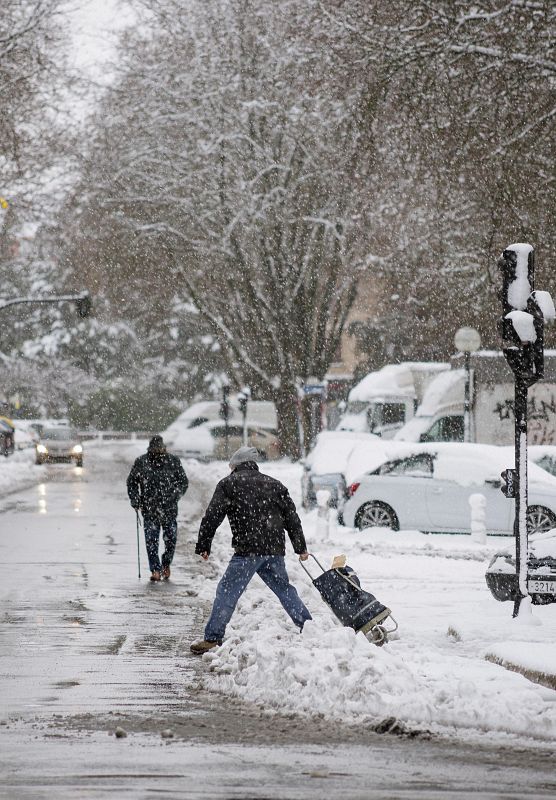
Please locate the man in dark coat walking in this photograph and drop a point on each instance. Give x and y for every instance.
(155, 484)
(259, 509)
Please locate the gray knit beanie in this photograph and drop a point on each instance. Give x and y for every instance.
(244, 454)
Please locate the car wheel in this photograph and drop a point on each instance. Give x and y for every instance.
(540, 520)
(376, 515)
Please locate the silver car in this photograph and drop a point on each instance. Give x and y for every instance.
(59, 444)
(428, 488)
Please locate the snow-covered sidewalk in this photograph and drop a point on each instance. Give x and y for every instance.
(441, 673)
(19, 471)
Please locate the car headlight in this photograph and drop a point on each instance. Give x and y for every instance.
(41, 449)
(78, 448)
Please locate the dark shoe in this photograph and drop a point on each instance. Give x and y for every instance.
(155, 576)
(203, 646)
(165, 573)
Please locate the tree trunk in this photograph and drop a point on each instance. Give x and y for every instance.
(286, 402)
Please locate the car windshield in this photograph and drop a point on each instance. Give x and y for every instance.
(60, 434)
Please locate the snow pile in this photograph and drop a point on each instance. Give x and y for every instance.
(331, 670)
(18, 471)
(441, 672)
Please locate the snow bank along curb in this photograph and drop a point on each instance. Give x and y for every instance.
(19, 471)
(536, 663)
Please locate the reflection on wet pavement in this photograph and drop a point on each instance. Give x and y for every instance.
(70, 621)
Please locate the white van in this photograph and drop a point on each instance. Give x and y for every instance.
(439, 417)
(386, 399)
(260, 413)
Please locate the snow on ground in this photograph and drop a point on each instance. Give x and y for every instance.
(434, 674)
(18, 471)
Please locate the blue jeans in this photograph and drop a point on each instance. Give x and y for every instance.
(233, 583)
(152, 533)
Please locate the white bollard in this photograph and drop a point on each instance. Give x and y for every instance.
(323, 522)
(332, 522)
(478, 518)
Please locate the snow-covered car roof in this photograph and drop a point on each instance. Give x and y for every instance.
(332, 450)
(465, 464)
(260, 413)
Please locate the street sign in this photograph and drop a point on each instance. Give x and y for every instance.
(314, 389)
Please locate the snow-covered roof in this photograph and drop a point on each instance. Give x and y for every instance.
(332, 450)
(393, 380)
(446, 387)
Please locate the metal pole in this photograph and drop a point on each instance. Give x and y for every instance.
(520, 522)
(138, 551)
(226, 417)
(467, 401)
(244, 412)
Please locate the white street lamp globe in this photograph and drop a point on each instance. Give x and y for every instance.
(467, 340)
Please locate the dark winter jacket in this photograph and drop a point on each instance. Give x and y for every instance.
(155, 484)
(259, 509)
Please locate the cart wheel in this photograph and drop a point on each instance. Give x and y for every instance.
(377, 635)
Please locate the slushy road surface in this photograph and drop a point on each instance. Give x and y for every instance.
(85, 648)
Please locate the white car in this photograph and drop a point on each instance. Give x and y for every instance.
(427, 487)
(207, 441)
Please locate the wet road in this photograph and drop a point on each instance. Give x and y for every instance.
(85, 648)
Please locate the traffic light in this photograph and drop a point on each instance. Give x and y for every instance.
(243, 399)
(517, 265)
(84, 305)
(509, 486)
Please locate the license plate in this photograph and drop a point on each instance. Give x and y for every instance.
(541, 587)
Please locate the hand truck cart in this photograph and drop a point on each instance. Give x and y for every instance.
(355, 608)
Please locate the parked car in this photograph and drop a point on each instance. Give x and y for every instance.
(428, 487)
(208, 441)
(544, 456)
(59, 444)
(326, 464)
(260, 414)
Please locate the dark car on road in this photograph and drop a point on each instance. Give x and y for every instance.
(59, 444)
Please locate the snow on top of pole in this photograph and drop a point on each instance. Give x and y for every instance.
(524, 325)
(520, 288)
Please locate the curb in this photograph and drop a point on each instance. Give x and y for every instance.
(547, 679)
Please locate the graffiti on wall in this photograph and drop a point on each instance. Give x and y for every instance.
(541, 414)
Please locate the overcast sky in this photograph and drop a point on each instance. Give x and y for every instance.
(95, 24)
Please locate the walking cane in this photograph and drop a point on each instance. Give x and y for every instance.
(138, 553)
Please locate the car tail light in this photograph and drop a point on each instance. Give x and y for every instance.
(353, 488)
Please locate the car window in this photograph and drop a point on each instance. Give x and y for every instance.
(197, 421)
(392, 413)
(445, 429)
(547, 463)
(220, 431)
(60, 434)
(417, 466)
